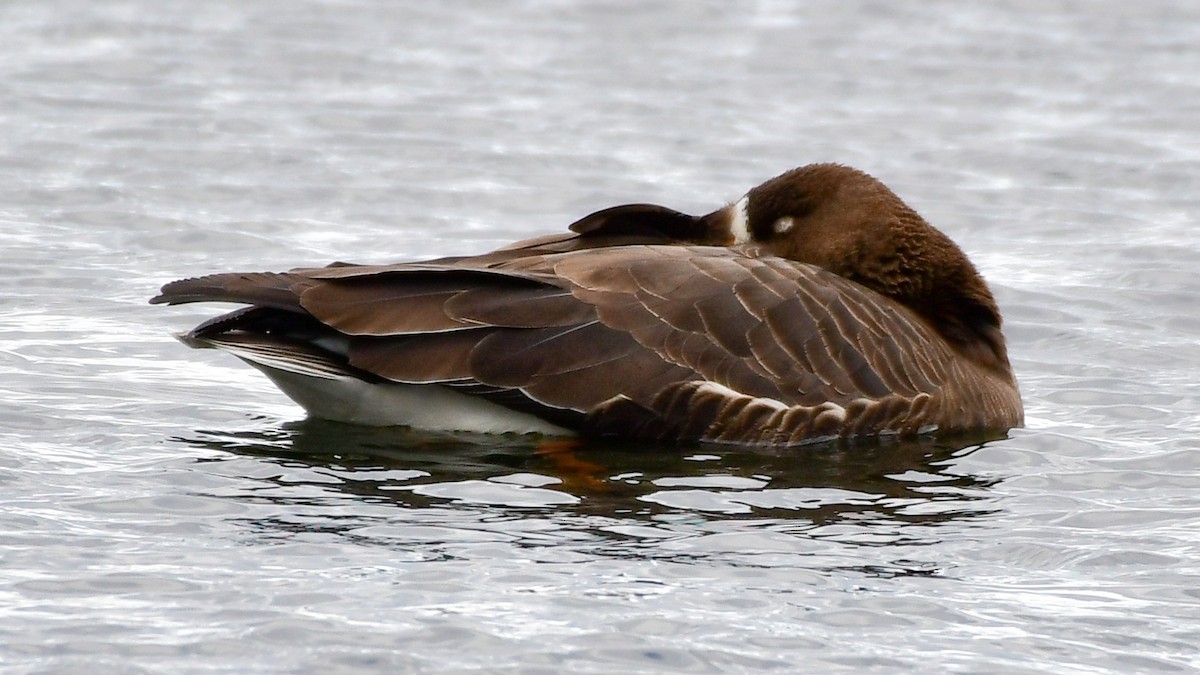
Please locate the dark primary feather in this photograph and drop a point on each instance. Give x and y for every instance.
(639, 220)
(269, 289)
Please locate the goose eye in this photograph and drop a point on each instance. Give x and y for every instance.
(783, 225)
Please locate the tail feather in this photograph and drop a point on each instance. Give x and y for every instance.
(283, 355)
(268, 289)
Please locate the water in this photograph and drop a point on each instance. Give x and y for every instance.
(166, 510)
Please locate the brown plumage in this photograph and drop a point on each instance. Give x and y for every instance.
(819, 305)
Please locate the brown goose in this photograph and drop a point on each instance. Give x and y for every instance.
(818, 305)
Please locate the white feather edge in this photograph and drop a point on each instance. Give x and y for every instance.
(739, 224)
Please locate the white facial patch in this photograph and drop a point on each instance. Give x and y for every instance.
(784, 224)
(739, 224)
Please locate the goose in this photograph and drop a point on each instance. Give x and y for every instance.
(817, 306)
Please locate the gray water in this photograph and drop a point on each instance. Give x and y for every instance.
(166, 510)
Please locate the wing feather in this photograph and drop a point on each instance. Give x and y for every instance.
(434, 357)
(529, 307)
(761, 326)
(269, 289)
(515, 358)
(672, 341)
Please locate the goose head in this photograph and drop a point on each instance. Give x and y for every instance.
(847, 222)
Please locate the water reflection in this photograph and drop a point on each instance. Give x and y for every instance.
(898, 482)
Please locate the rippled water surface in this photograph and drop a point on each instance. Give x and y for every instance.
(167, 510)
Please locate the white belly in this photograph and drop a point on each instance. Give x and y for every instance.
(425, 406)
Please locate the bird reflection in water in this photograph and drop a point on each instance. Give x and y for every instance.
(901, 481)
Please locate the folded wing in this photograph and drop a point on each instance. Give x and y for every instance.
(658, 341)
